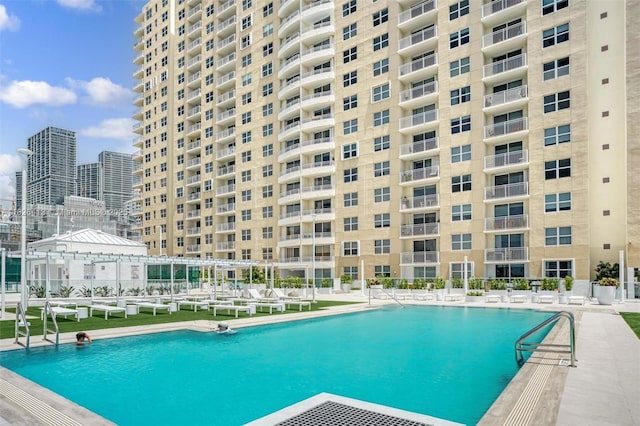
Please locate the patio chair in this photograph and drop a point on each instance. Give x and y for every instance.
(107, 309)
(280, 295)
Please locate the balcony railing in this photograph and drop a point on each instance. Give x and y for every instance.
(418, 230)
(418, 174)
(226, 96)
(226, 133)
(420, 202)
(506, 96)
(505, 128)
(506, 191)
(416, 11)
(507, 254)
(225, 189)
(419, 119)
(497, 6)
(226, 246)
(225, 170)
(506, 159)
(420, 146)
(505, 65)
(227, 77)
(225, 152)
(225, 227)
(418, 37)
(420, 257)
(501, 223)
(419, 91)
(226, 208)
(504, 34)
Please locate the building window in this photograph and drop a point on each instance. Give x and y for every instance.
(267, 30)
(246, 79)
(550, 6)
(557, 202)
(350, 224)
(350, 102)
(350, 31)
(556, 35)
(267, 49)
(557, 135)
(461, 153)
(267, 232)
(380, 67)
(382, 220)
(350, 78)
(350, 175)
(350, 199)
(245, 41)
(381, 143)
(380, 42)
(382, 195)
(267, 150)
(267, 212)
(461, 212)
(557, 169)
(267, 109)
(267, 129)
(350, 55)
(267, 191)
(267, 10)
(461, 183)
(382, 246)
(351, 271)
(380, 17)
(246, 22)
(246, 234)
(349, 7)
(560, 236)
(381, 118)
(349, 151)
(461, 95)
(246, 156)
(381, 92)
(267, 89)
(246, 137)
(558, 268)
(246, 117)
(246, 195)
(245, 215)
(461, 124)
(556, 68)
(381, 169)
(350, 248)
(382, 270)
(459, 38)
(267, 170)
(459, 9)
(267, 69)
(350, 126)
(461, 242)
(557, 101)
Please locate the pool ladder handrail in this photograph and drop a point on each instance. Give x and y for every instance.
(391, 295)
(47, 311)
(522, 346)
(21, 321)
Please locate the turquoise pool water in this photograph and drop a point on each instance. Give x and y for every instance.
(448, 362)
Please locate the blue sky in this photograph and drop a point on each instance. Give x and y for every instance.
(69, 64)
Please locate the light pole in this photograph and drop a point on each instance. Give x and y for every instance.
(160, 238)
(25, 153)
(313, 257)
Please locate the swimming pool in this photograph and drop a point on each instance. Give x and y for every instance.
(448, 362)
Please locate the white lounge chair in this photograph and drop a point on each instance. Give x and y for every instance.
(492, 298)
(454, 297)
(424, 296)
(278, 306)
(195, 303)
(518, 298)
(576, 300)
(255, 294)
(62, 312)
(107, 309)
(249, 309)
(280, 295)
(546, 298)
(403, 296)
(299, 303)
(154, 306)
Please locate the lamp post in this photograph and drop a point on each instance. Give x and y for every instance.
(160, 238)
(25, 153)
(313, 257)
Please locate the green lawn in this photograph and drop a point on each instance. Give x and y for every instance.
(7, 327)
(633, 319)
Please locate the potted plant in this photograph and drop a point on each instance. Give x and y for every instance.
(439, 284)
(521, 288)
(475, 296)
(606, 290)
(345, 283)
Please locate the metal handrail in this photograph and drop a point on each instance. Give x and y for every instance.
(388, 294)
(522, 346)
(47, 311)
(21, 321)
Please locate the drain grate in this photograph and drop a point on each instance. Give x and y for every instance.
(332, 413)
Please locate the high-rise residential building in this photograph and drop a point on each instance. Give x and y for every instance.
(109, 180)
(393, 138)
(51, 169)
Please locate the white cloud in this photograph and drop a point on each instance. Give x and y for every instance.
(9, 165)
(8, 22)
(88, 5)
(103, 91)
(24, 93)
(112, 128)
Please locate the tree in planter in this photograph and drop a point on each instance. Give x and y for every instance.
(66, 290)
(403, 284)
(568, 283)
(85, 291)
(257, 276)
(476, 283)
(346, 279)
(373, 281)
(607, 270)
(387, 282)
(549, 284)
(457, 282)
(521, 284)
(419, 283)
(439, 283)
(37, 291)
(499, 284)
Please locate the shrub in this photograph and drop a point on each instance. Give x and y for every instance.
(439, 283)
(419, 283)
(549, 284)
(568, 282)
(475, 293)
(457, 283)
(476, 283)
(521, 284)
(66, 290)
(498, 284)
(608, 282)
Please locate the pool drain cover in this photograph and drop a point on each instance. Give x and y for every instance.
(334, 414)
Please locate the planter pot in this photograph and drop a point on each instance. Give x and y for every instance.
(475, 299)
(439, 294)
(605, 294)
(504, 294)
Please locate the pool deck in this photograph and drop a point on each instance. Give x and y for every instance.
(601, 390)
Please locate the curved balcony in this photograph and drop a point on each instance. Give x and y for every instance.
(225, 228)
(195, 231)
(289, 174)
(426, 120)
(138, 142)
(418, 16)
(505, 70)
(138, 114)
(226, 44)
(504, 129)
(194, 146)
(317, 10)
(137, 169)
(419, 149)
(290, 45)
(194, 30)
(194, 197)
(315, 33)
(289, 109)
(194, 80)
(314, 146)
(507, 100)
(194, 130)
(419, 95)
(194, 63)
(499, 11)
(288, 131)
(226, 116)
(317, 100)
(139, 101)
(420, 230)
(195, 46)
(194, 163)
(290, 195)
(226, 246)
(194, 96)
(318, 168)
(315, 192)
(505, 40)
(420, 203)
(195, 13)
(226, 80)
(139, 60)
(194, 113)
(289, 66)
(139, 88)
(290, 23)
(194, 180)
(420, 68)
(226, 209)
(411, 176)
(421, 41)
(287, 6)
(317, 77)
(137, 128)
(290, 87)
(312, 124)
(506, 223)
(316, 55)
(519, 190)
(139, 73)
(137, 155)
(418, 258)
(508, 254)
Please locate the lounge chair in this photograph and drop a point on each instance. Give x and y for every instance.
(249, 309)
(62, 312)
(195, 303)
(403, 296)
(546, 298)
(255, 294)
(299, 303)
(154, 306)
(424, 296)
(280, 295)
(107, 309)
(518, 298)
(492, 298)
(278, 306)
(454, 297)
(576, 300)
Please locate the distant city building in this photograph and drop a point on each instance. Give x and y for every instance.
(51, 169)
(109, 180)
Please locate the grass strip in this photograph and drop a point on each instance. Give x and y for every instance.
(633, 320)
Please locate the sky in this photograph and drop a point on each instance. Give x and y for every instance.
(67, 64)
